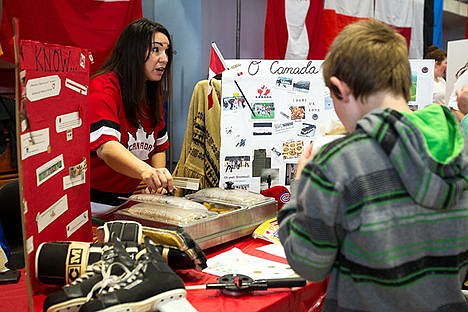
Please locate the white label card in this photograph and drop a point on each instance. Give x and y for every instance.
(43, 87)
(67, 122)
(52, 213)
(33, 143)
(49, 169)
(76, 223)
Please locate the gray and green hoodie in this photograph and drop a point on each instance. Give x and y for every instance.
(383, 212)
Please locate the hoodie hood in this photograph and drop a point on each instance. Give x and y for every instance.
(427, 149)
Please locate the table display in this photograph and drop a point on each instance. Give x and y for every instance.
(211, 216)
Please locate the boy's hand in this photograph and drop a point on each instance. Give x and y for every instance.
(306, 155)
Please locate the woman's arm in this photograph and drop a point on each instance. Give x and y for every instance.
(121, 160)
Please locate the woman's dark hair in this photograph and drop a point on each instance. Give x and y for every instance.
(127, 60)
(433, 52)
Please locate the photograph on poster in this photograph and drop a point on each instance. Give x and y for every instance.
(233, 103)
(293, 149)
(414, 84)
(284, 83)
(236, 164)
(290, 176)
(269, 178)
(264, 110)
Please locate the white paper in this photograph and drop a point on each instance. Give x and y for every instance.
(33, 143)
(49, 169)
(43, 87)
(290, 104)
(273, 249)
(75, 86)
(67, 122)
(76, 223)
(30, 244)
(234, 261)
(52, 213)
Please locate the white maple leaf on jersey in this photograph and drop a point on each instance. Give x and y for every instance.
(142, 145)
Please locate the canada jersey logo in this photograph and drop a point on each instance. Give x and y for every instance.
(142, 145)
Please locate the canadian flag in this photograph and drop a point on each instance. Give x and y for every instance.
(305, 29)
(217, 66)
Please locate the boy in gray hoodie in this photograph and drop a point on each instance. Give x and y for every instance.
(382, 211)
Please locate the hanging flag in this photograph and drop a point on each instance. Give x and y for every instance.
(466, 32)
(90, 24)
(292, 30)
(217, 66)
(305, 29)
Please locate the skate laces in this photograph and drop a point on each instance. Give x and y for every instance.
(111, 282)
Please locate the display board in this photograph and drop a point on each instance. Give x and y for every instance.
(272, 109)
(53, 136)
(457, 64)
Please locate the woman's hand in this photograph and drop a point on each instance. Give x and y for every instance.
(158, 180)
(121, 160)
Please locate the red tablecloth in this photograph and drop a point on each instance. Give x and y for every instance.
(13, 297)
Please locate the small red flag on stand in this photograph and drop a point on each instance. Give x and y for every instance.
(217, 66)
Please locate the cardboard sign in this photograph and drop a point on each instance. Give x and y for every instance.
(54, 135)
(272, 109)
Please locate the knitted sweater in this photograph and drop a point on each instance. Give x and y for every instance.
(199, 157)
(384, 213)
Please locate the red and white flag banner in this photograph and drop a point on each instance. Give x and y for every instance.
(305, 29)
(217, 66)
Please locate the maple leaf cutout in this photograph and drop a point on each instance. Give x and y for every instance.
(142, 145)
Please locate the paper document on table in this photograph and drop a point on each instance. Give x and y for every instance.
(234, 261)
(273, 249)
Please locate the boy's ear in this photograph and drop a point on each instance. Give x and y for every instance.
(339, 88)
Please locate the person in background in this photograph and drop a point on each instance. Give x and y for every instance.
(382, 211)
(440, 66)
(462, 79)
(462, 102)
(128, 139)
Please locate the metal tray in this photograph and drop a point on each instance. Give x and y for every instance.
(220, 229)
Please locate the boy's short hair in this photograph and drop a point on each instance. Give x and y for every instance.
(369, 56)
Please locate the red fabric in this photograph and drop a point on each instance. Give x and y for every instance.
(276, 31)
(53, 211)
(278, 192)
(272, 300)
(308, 298)
(314, 20)
(332, 24)
(90, 24)
(108, 122)
(322, 25)
(217, 66)
(216, 61)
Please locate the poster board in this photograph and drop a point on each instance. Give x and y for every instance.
(457, 64)
(272, 109)
(53, 138)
